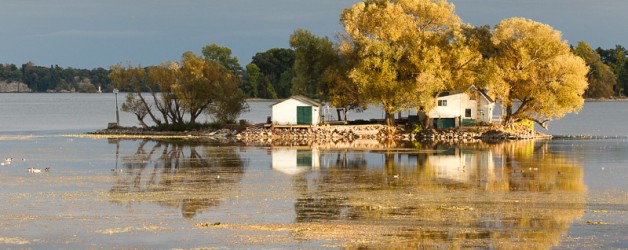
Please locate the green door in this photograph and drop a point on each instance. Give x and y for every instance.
(445, 123)
(304, 158)
(304, 115)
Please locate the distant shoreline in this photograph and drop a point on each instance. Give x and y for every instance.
(622, 99)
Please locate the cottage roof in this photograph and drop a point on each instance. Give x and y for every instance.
(473, 87)
(488, 98)
(302, 99)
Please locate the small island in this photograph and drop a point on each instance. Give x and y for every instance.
(449, 74)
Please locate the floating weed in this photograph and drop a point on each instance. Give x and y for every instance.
(149, 228)
(597, 223)
(14, 241)
(115, 230)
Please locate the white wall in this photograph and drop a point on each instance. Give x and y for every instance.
(285, 160)
(458, 103)
(453, 108)
(464, 168)
(285, 113)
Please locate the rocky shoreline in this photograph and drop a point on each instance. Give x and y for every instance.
(328, 134)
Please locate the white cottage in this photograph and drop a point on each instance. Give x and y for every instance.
(294, 161)
(468, 108)
(297, 110)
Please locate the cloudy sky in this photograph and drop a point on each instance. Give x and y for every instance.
(89, 34)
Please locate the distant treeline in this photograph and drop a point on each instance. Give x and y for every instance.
(272, 74)
(608, 70)
(55, 78)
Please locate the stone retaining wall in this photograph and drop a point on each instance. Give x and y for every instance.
(324, 133)
(337, 134)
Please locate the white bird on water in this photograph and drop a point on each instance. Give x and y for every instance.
(34, 170)
(7, 161)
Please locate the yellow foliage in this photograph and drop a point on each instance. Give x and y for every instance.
(407, 51)
(537, 70)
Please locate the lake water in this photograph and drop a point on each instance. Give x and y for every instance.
(114, 193)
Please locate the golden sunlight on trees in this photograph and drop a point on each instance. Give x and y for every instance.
(197, 80)
(185, 89)
(136, 79)
(407, 51)
(540, 79)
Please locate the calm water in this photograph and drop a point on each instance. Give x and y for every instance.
(106, 193)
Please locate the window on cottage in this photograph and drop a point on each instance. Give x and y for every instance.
(467, 113)
(442, 103)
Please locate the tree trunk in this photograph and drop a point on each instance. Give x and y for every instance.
(509, 120)
(150, 113)
(193, 116)
(141, 120)
(390, 119)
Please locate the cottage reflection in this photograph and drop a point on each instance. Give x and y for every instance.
(189, 176)
(520, 195)
(294, 160)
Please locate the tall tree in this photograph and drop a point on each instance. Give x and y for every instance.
(136, 79)
(273, 63)
(189, 88)
(617, 59)
(313, 55)
(339, 89)
(540, 79)
(407, 52)
(198, 83)
(229, 100)
(161, 82)
(136, 107)
(251, 81)
(222, 55)
(601, 78)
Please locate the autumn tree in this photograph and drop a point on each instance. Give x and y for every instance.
(189, 88)
(540, 79)
(228, 101)
(136, 79)
(229, 95)
(407, 52)
(601, 78)
(197, 80)
(136, 107)
(161, 82)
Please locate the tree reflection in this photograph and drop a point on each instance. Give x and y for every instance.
(516, 195)
(187, 175)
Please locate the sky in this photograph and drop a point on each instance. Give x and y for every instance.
(91, 34)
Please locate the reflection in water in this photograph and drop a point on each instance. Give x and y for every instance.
(191, 176)
(292, 161)
(516, 195)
